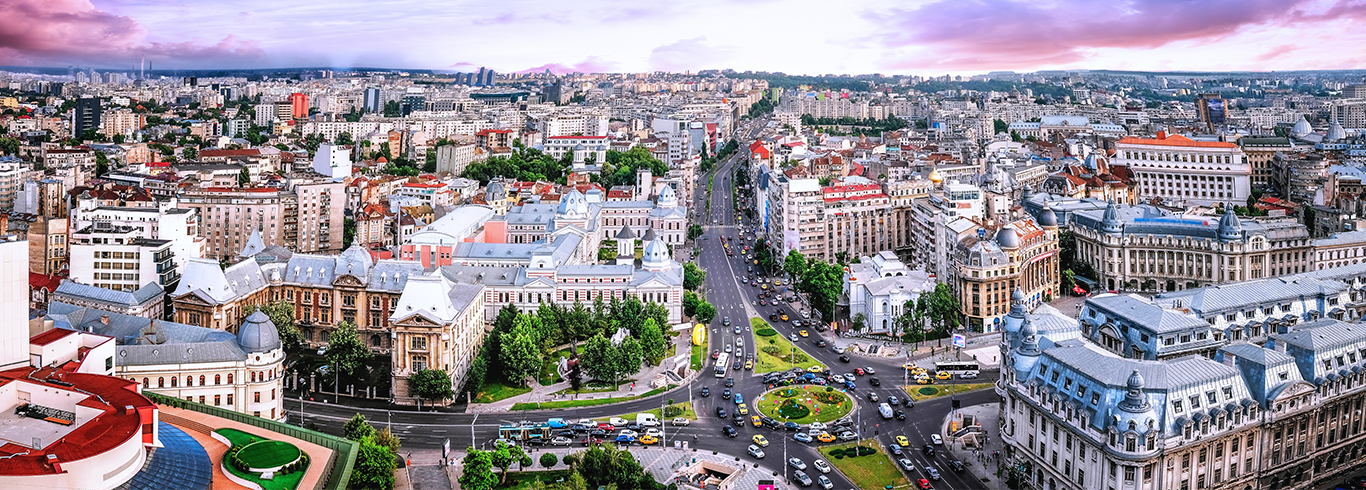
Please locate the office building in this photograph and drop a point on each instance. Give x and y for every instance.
(373, 103)
(1183, 171)
(86, 116)
(1021, 256)
(298, 104)
(116, 257)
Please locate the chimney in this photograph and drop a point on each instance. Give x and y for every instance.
(1161, 135)
(1230, 360)
(1278, 345)
(104, 319)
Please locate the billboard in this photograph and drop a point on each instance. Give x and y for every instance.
(1215, 110)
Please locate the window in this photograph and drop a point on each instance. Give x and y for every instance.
(1128, 473)
(229, 398)
(161, 382)
(419, 342)
(1185, 461)
(229, 378)
(1209, 395)
(217, 379)
(109, 363)
(201, 380)
(217, 400)
(257, 397)
(1176, 406)
(419, 363)
(1195, 401)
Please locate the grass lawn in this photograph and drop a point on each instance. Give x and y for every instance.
(872, 471)
(519, 480)
(496, 390)
(926, 392)
(280, 482)
(688, 413)
(765, 362)
(805, 396)
(549, 375)
(587, 403)
(595, 386)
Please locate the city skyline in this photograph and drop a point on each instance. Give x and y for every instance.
(925, 38)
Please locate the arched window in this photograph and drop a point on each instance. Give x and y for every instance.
(201, 380)
(229, 378)
(161, 382)
(217, 379)
(175, 380)
(145, 384)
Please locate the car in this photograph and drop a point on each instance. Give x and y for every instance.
(791, 426)
(589, 441)
(715, 354)
(943, 375)
(649, 439)
(561, 441)
(821, 343)
(628, 432)
(967, 376)
(754, 284)
(848, 436)
(806, 314)
(821, 466)
(893, 400)
(749, 364)
(869, 370)
(797, 463)
(902, 441)
(938, 441)
(625, 439)
(825, 437)
(802, 478)
(815, 369)
(894, 449)
(739, 421)
(729, 431)
(565, 433)
(910, 403)
(654, 432)
(924, 484)
(756, 452)
(772, 317)
(859, 371)
(958, 466)
(820, 327)
(844, 359)
(742, 409)
(771, 423)
(617, 421)
(725, 321)
(599, 433)
(763, 303)
(739, 399)
(680, 422)
(928, 449)
(735, 366)
(705, 391)
(802, 437)
(738, 330)
(874, 382)
(872, 396)
(803, 333)
(824, 482)
(924, 381)
(726, 394)
(754, 419)
(906, 465)
(726, 348)
(730, 382)
(849, 385)
(760, 440)
(900, 415)
(633, 426)
(794, 338)
(934, 473)
(784, 317)
(721, 412)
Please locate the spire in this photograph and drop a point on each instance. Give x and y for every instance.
(1134, 401)
(1229, 226)
(1029, 343)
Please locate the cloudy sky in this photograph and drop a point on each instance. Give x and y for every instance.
(926, 37)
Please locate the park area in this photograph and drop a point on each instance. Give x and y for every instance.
(868, 468)
(804, 404)
(775, 353)
(926, 392)
(250, 454)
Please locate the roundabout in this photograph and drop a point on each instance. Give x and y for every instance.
(805, 404)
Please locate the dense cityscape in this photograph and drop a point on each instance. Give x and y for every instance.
(572, 277)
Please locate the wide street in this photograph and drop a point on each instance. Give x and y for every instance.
(738, 302)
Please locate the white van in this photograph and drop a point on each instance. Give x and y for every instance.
(885, 410)
(647, 420)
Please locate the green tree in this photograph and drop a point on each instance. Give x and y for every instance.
(1000, 126)
(346, 351)
(282, 315)
(690, 302)
(374, 468)
(243, 177)
(705, 312)
(823, 283)
(392, 109)
(1069, 279)
(357, 428)
(348, 232)
(190, 153)
(693, 276)
(429, 164)
(549, 460)
(478, 473)
(345, 139)
(578, 322)
(503, 456)
(119, 139)
(101, 164)
(387, 439)
(9, 146)
(431, 384)
(942, 309)
(794, 264)
(521, 354)
(652, 342)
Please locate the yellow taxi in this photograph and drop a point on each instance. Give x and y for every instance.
(924, 381)
(749, 365)
(902, 441)
(943, 375)
(784, 317)
(742, 409)
(802, 333)
(648, 439)
(760, 441)
(815, 369)
(825, 437)
(754, 419)
(777, 282)
(763, 286)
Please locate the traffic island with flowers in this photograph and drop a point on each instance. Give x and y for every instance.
(805, 404)
(260, 463)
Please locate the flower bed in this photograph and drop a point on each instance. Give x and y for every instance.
(804, 404)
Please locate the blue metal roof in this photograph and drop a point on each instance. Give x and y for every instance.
(180, 463)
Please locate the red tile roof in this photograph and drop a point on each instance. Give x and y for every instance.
(50, 336)
(1163, 139)
(111, 428)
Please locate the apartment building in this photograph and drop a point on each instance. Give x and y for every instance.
(117, 257)
(1184, 171)
(13, 173)
(794, 218)
(167, 221)
(122, 122)
(1143, 248)
(454, 158)
(571, 124)
(305, 218)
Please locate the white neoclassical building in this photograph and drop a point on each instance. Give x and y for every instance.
(879, 287)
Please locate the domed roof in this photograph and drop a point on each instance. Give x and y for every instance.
(1017, 296)
(381, 160)
(578, 147)
(1302, 127)
(258, 334)
(935, 177)
(1229, 227)
(1048, 218)
(572, 205)
(1027, 193)
(655, 256)
(1007, 237)
(1335, 132)
(626, 233)
(668, 198)
(1110, 222)
(495, 191)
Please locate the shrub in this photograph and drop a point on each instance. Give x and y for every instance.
(549, 460)
(672, 411)
(837, 452)
(765, 332)
(864, 450)
(772, 350)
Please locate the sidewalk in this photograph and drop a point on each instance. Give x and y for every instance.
(662, 463)
(977, 450)
(541, 393)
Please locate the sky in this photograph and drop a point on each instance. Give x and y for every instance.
(919, 37)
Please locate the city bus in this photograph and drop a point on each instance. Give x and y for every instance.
(721, 364)
(957, 367)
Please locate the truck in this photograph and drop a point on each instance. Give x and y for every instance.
(647, 420)
(885, 410)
